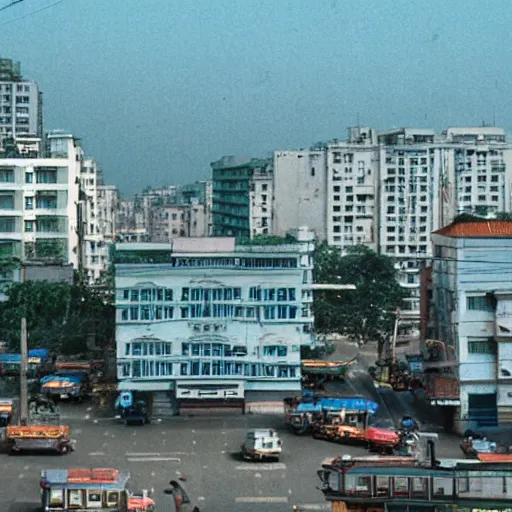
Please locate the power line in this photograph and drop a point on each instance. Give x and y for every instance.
(30, 13)
(12, 4)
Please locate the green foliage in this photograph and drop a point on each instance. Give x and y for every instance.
(467, 217)
(60, 317)
(267, 240)
(503, 216)
(367, 313)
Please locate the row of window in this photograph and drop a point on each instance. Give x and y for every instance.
(272, 294)
(152, 313)
(206, 294)
(165, 257)
(149, 348)
(146, 368)
(418, 487)
(163, 348)
(145, 294)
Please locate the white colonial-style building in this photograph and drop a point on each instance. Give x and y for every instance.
(208, 319)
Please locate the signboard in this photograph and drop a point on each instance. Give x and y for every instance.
(445, 403)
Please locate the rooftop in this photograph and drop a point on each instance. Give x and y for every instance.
(477, 229)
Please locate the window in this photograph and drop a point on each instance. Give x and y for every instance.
(479, 303)
(29, 203)
(29, 177)
(6, 176)
(401, 486)
(419, 487)
(484, 346)
(75, 498)
(6, 202)
(57, 497)
(93, 499)
(184, 294)
(382, 486)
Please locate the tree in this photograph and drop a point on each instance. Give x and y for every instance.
(367, 313)
(60, 317)
(503, 216)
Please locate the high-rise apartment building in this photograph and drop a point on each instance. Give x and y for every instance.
(20, 103)
(39, 203)
(392, 189)
(242, 197)
(99, 206)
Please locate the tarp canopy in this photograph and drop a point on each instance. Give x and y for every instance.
(339, 404)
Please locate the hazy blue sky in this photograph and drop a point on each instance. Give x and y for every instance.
(157, 89)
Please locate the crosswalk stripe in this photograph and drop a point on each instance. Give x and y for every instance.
(261, 499)
(261, 467)
(97, 454)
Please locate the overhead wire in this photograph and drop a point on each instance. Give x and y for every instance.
(30, 13)
(12, 4)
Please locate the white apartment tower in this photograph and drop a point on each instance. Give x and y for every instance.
(99, 206)
(20, 103)
(38, 203)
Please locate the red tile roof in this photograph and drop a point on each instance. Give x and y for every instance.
(479, 229)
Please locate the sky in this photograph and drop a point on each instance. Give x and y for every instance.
(158, 89)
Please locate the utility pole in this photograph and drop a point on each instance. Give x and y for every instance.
(395, 335)
(24, 363)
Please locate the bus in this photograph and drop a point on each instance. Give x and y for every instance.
(380, 484)
(104, 489)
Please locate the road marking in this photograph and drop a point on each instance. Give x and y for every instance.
(157, 454)
(201, 498)
(261, 467)
(96, 454)
(261, 499)
(314, 506)
(143, 454)
(257, 475)
(153, 459)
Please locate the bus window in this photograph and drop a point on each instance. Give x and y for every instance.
(75, 498)
(401, 486)
(443, 486)
(57, 498)
(112, 498)
(419, 487)
(93, 499)
(382, 486)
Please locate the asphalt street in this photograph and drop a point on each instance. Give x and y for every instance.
(205, 449)
(202, 449)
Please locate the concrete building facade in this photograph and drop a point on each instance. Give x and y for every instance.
(20, 103)
(39, 203)
(242, 197)
(471, 312)
(204, 319)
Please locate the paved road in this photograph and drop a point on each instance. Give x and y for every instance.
(201, 448)
(204, 450)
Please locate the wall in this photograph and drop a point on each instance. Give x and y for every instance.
(300, 197)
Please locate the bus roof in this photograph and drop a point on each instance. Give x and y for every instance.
(79, 477)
